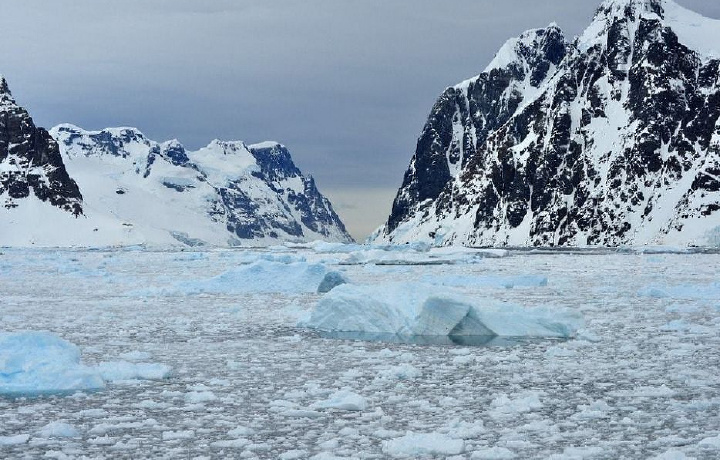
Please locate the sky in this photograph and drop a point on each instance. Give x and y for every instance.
(346, 85)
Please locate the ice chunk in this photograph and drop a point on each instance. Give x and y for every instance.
(33, 363)
(672, 454)
(412, 309)
(122, 370)
(331, 281)
(506, 282)
(422, 445)
(261, 276)
(493, 453)
(710, 443)
(503, 405)
(59, 430)
(342, 400)
(14, 440)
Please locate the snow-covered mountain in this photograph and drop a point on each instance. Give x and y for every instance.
(610, 139)
(138, 191)
(31, 167)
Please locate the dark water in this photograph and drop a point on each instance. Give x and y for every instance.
(436, 340)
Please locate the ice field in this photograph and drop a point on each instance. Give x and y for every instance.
(135, 353)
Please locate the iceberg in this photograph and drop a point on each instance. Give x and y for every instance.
(331, 281)
(36, 363)
(263, 276)
(415, 309)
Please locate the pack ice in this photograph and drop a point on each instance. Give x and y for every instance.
(417, 309)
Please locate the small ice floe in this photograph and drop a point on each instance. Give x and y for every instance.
(14, 440)
(672, 454)
(493, 453)
(710, 443)
(116, 371)
(489, 281)
(58, 430)
(419, 310)
(507, 406)
(342, 400)
(415, 445)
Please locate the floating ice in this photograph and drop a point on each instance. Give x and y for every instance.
(261, 276)
(14, 440)
(411, 309)
(342, 400)
(504, 405)
(33, 363)
(493, 453)
(423, 444)
(59, 430)
(506, 282)
(331, 281)
(123, 370)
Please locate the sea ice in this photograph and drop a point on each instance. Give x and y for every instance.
(122, 370)
(414, 445)
(59, 430)
(493, 453)
(14, 440)
(33, 363)
(412, 309)
(331, 281)
(342, 400)
(262, 276)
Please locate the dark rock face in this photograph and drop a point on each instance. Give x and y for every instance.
(611, 140)
(30, 161)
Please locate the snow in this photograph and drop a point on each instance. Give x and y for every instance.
(413, 309)
(247, 382)
(265, 145)
(134, 194)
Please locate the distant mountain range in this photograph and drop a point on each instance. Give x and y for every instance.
(116, 187)
(609, 139)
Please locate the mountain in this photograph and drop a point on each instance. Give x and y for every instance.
(138, 191)
(30, 161)
(610, 139)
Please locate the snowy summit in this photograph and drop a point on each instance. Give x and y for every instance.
(609, 140)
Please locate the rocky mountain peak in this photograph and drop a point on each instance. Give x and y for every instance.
(4, 89)
(30, 161)
(530, 49)
(611, 140)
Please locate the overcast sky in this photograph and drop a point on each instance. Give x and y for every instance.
(345, 84)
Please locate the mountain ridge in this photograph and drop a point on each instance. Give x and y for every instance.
(139, 191)
(607, 140)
